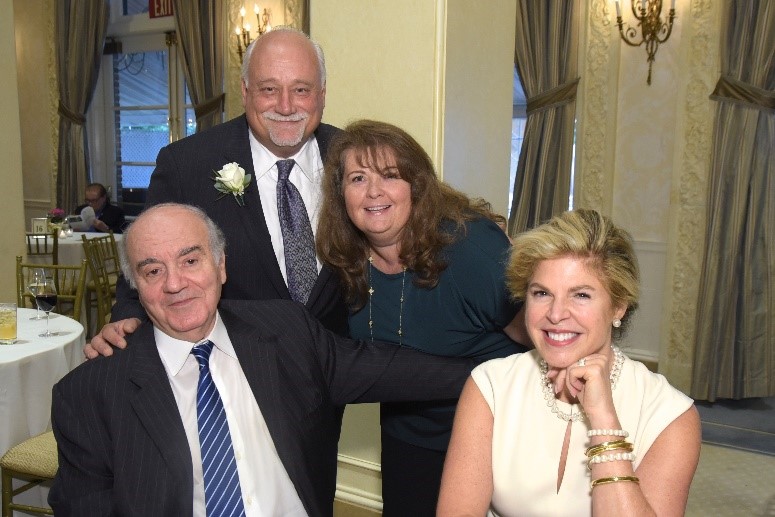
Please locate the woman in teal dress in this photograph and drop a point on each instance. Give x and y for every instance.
(421, 266)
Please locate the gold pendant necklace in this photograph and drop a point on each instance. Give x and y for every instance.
(401, 305)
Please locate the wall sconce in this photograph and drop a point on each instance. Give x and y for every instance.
(243, 29)
(653, 30)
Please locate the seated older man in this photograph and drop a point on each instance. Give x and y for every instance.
(108, 217)
(212, 407)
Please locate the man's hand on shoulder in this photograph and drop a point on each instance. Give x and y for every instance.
(111, 335)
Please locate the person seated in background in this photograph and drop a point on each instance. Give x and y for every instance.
(227, 408)
(108, 217)
(422, 266)
(573, 427)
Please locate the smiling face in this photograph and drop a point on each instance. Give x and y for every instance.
(568, 311)
(177, 278)
(284, 97)
(378, 201)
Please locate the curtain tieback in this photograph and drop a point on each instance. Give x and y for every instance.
(210, 105)
(733, 90)
(75, 118)
(557, 96)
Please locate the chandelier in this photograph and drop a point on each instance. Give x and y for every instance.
(243, 29)
(653, 30)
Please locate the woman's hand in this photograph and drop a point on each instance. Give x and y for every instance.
(588, 381)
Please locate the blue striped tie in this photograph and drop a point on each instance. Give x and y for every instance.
(223, 496)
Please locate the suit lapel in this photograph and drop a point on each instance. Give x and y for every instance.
(257, 355)
(252, 214)
(154, 404)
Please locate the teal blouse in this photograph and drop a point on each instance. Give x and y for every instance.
(463, 316)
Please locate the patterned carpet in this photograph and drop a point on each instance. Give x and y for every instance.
(747, 424)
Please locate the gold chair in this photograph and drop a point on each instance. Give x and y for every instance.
(102, 257)
(43, 245)
(34, 461)
(70, 282)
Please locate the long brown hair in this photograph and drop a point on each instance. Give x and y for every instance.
(344, 248)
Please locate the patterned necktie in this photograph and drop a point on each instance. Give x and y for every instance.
(223, 496)
(298, 242)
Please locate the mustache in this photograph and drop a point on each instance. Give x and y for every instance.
(276, 117)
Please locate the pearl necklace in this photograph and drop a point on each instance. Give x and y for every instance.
(401, 306)
(551, 397)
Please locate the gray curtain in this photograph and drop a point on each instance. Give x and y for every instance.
(80, 36)
(200, 25)
(735, 327)
(545, 56)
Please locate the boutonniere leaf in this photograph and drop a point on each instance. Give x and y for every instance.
(231, 179)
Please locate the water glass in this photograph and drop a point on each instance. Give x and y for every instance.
(7, 323)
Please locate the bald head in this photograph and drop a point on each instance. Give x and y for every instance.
(173, 255)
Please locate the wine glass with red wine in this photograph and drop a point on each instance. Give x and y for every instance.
(37, 277)
(46, 300)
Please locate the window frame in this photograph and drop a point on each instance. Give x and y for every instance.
(137, 33)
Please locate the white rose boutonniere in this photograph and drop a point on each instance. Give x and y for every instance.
(231, 179)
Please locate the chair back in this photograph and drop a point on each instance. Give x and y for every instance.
(102, 258)
(43, 245)
(70, 282)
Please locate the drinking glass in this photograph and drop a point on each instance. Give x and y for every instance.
(37, 278)
(46, 299)
(7, 323)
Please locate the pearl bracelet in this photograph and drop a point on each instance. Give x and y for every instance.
(602, 458)
(607, 432)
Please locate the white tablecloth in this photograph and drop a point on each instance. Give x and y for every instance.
(28, 370)
(71, 248)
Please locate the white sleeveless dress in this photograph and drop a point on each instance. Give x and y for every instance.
(528, 437)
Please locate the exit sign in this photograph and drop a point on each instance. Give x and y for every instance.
(159, 8)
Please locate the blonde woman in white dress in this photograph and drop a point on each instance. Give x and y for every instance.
(573, 427)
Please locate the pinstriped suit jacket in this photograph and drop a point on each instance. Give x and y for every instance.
(122, 447)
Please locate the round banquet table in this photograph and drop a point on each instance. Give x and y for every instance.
(28, 370)
(71, 248)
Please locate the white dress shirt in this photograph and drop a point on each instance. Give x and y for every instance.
(306, 175)
(266, 488)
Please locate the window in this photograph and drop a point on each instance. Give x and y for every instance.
(141, 102)
(518, 121)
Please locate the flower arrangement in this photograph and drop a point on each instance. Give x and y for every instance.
(56, 215)
(231, 179)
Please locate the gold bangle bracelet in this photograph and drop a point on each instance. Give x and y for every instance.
(614, 479)
(609, 446)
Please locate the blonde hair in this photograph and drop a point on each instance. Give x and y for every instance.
(585, 234)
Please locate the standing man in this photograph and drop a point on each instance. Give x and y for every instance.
(227, 409)
(283, 92)
(108, 217)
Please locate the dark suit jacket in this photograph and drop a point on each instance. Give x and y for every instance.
(111, 215)
(122, 446)
(184, 174)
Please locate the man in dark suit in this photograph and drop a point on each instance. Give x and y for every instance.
(127, 426)
(283, 92)
(109, 217)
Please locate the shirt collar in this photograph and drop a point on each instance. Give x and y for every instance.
(306, 159)
(174, 352)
